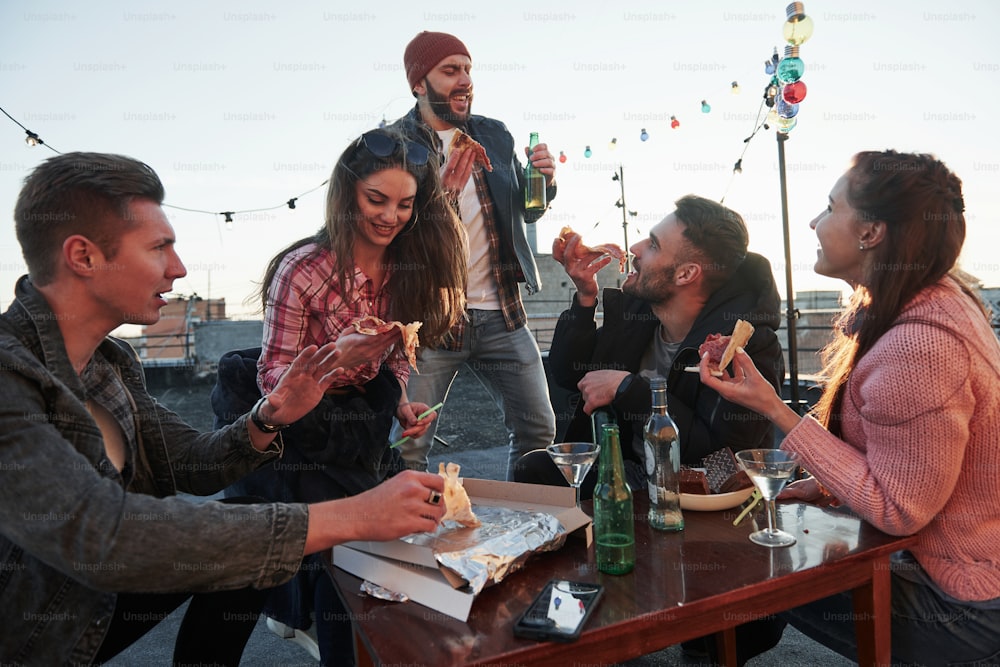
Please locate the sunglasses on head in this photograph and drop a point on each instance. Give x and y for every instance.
(382, 145)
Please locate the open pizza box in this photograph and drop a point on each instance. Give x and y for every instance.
(411, 569)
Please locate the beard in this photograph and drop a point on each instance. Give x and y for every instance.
(654, 287)
(441, 106)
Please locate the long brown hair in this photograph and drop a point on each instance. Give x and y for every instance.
(920, 203)
(427, 259)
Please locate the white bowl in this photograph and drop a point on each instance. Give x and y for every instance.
(713, 502)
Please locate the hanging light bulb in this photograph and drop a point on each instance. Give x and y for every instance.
(791, 67)
(705, 107)
(562, 157)
(674, 123)
(613, 144)
(381, 123)
(291, 203)
(587, 152)
(229, 219)
(644, 135)
(785, 109)
(786, 125)
(735, 87)
(799, 27)
(32, 139)
(794, 92)
(738, 167)
(772, 117)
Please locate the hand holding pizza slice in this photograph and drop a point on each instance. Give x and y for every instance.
(721, 349)
(463, 142)
(373, 326)
(583, 252)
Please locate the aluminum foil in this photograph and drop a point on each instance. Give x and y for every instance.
(382, 593)
(485, 555)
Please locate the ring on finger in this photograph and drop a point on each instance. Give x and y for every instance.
(434, 498)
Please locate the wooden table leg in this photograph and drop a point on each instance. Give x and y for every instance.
(725, 643)
(361, 655)
(873, 617)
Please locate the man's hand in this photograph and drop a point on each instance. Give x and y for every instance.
(399, 506)
(542, 160)
(598, 388)
(581, 270)
(302, 386)
(457, 171)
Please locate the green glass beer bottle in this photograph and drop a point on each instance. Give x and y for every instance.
(534, 182)
(614, 528)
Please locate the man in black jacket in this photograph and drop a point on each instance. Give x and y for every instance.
(691, 277)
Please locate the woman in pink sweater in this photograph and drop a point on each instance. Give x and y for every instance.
(907, 431)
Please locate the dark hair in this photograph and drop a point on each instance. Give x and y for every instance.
(717, 238)
(919, 201)
(78, 193)
(429, 286)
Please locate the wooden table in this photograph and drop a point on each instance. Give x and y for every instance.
(706, 579)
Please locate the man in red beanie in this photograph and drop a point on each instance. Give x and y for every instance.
(494, 341)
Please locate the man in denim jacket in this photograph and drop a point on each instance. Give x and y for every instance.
(95, 546)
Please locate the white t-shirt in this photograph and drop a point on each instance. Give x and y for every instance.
(482, 292)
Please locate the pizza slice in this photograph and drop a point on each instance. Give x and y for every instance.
(721, 349)
(458, 507)
(586, 253)
(373, 326)
(463, 142)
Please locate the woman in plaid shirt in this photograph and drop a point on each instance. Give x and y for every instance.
(391, 247)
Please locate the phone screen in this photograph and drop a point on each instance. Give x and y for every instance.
(559, 611)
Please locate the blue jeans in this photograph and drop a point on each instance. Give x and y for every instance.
(509, 365)
(926, 628)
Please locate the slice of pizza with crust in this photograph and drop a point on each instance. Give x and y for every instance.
(458, 507)
(373, 326)
(586, 253)
(721, 349)
(463, 142)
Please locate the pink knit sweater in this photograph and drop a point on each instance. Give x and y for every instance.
(921, 440)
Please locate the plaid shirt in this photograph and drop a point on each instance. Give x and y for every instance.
(104, 387)
(305, 307)
(507, 288)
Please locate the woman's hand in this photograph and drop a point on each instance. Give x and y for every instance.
(747, 387)
(407, 414)
(358, 348)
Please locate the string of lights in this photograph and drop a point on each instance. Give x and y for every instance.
(781, 96)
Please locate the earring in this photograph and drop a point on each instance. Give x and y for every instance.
(862, 247)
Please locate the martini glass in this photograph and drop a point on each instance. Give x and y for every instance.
(770, 470)
(574, 460)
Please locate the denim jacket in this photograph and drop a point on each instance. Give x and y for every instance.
(506, 184)
(74, 531)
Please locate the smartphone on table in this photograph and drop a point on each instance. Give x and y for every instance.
(559, 611)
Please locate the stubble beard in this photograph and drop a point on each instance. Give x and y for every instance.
(440, 105)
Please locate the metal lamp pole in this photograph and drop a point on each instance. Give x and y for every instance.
(791, 313)
(620, 177)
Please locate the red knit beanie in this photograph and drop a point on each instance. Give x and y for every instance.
(428, 49)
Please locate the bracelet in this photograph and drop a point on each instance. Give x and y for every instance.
(260, 423)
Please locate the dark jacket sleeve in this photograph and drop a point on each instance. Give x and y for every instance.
(573, 345)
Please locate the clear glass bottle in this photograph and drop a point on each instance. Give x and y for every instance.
(614, 527)
(663, 462)
(534, 182)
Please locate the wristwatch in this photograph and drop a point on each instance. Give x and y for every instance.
(260, 423)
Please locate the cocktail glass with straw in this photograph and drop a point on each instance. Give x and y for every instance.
(770, 470)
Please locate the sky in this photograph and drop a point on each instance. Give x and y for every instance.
(244, 105)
